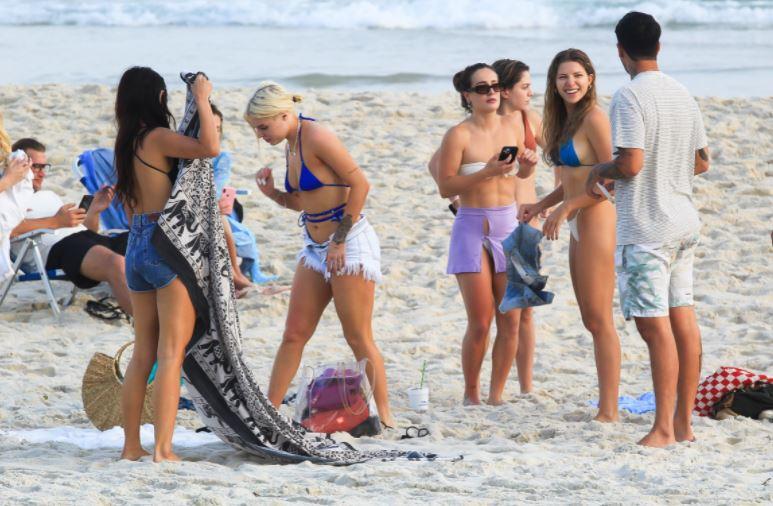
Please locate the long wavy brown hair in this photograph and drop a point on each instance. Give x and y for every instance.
(557, 124)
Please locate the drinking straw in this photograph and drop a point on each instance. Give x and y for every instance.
(423, 370)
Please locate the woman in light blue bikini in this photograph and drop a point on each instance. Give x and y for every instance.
(341, 257)
(578, 135)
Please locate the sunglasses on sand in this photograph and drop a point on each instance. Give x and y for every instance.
(484, 89)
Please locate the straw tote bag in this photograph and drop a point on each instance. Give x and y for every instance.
(101, 391)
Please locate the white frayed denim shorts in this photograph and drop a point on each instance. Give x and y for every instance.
(363, 253)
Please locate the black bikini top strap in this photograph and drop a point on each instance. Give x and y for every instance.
(149, 165)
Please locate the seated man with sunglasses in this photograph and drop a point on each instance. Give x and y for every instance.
(75, 246)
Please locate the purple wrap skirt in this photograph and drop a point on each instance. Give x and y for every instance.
(468, 237)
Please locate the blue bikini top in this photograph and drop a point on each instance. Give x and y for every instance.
(567, 155)
(307, 181)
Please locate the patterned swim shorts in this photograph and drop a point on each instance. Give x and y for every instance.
(654, 277)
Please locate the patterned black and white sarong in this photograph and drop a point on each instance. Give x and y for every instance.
(224, 391)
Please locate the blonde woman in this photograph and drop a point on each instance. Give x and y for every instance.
(341, 256)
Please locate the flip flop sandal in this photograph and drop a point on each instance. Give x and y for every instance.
(103, 310)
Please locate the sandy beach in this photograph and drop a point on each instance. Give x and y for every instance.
(541, 447)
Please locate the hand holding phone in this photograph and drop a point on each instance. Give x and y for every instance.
(508, 153)
(86, 202)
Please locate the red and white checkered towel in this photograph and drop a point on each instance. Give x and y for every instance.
(724, 380)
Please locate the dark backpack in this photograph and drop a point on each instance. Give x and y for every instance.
(750, 401)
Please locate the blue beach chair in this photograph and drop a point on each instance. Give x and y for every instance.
(94, 168)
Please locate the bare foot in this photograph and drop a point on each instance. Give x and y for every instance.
(494, 402)
(160, 456)
(604, 418)
(657, 439)
(470, 401)
(133, 453)
(684, 435)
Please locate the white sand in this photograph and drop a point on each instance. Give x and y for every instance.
(541, 447)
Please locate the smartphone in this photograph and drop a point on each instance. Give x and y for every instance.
(508, 152)
(86, 202)
(229, 194)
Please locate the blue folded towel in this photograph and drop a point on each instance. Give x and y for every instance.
(638, 405)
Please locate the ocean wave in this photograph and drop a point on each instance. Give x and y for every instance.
(395, 14)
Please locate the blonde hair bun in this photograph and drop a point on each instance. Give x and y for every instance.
(269, 100)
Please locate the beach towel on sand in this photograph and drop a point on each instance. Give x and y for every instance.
(224, 391)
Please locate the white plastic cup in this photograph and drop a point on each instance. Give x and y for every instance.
(418, 398)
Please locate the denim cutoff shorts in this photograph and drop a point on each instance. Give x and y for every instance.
(145, 270)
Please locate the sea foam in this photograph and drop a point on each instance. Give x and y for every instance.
(395, 14)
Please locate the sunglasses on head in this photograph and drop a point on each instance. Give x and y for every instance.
(484, 89)
(41, 166)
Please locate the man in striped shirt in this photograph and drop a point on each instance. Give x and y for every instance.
(660, 143)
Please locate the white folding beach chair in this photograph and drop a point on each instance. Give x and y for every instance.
(29, 242)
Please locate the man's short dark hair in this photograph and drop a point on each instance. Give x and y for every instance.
(639, 34)
(28, 143)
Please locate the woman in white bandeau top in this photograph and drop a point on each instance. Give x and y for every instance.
(468, 166)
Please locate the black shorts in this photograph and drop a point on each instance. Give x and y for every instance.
(68, 254)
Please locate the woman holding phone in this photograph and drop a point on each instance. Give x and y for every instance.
(145, 147)
(341, 257)
(473, 163)
(577, 136)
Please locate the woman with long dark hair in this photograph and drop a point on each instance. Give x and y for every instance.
(145, 149)
(469, 166)
(577, 135)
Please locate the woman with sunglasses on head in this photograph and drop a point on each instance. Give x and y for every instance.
(577, 135)
(469, 166)
(145, 149)
(341, 257)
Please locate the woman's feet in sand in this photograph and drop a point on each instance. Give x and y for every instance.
(683, 433)
(607, 418)
(658, 439)
(165, 456)
(495, 401)
(471, 401)
(134, 453)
